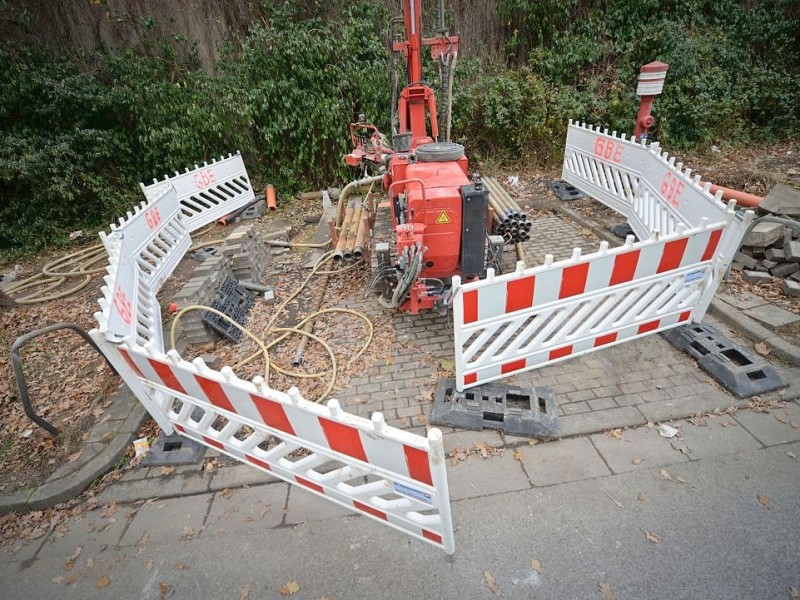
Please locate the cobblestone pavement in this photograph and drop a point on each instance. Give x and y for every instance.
(645, 380)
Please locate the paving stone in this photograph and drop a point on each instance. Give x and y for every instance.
(591, 422)
(776, 254)
(772, 315)
(566, 460)
(782, 199)
(241, 511)
(486, 476)
(692, 404)
(767, 429)
(574, 408)
(238, 476)
(468, 439)
(748, 262)
(602, 404)
(714, 439)
(756, 276)
(156, 487)
(792, 250)
(641, 444)
(790, 288)
(785, 269)
(164, 520)
(764, 234)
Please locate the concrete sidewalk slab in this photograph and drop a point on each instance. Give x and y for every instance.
(639, 449)
(486, 476)
(168, 521)
(242, 510)
(97, 533)
(559, 462)
(304, 506)
(719, 436)
(767, 429)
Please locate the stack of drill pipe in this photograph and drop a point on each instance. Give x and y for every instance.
(338, 254)
(509, 219)
(362, 237)
(352, 233)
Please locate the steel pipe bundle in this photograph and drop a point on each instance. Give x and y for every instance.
(354, 234)
(509, 220)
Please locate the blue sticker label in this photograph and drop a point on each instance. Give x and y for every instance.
(412, 493)
(694, 276)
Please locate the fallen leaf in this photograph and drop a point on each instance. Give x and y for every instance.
(606, 591)
(102, 582)
(791, 454)
(290, 588)
(795, 425)
(167, 470)
(665, 474)
(264, 510)
(518, 455)
(421, 419)
(794, 592)
(447, 364)
(762, 349)
(57, 580)
(144, 539)
(389, 360)
(490, 583)
(698, 421)
(72, 579)
(179, 567)
(164, 589)
(780, 419)
(640, 497)
(244, 593)
(188, 531)
(615, 433)
(89, 563)
(536, 565)
(148, 564)
(652, 537)
(637, 461)
(227, 493)
(763, 500)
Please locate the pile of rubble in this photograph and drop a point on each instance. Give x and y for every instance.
(771, 250)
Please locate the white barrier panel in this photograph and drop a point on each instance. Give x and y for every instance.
(208, 192)
(144, 249)
(527, 319)
(638, 181)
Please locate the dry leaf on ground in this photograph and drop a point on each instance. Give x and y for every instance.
(665, 474)
(164, 589)
(763, 500)
(640, 497)
(791, 454)
(762, 349)
(518, 455)
(637, 461)
(167, 470)
(652, 537)
(102, 582)
(227, 493)
(615, 433)
(606, 591)
(179, 567)
(794, 592)
(244, 593)
(536, 565)
(488, 579)
(289, 588)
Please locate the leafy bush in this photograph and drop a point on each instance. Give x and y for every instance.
(79, 132)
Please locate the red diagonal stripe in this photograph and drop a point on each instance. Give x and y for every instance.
(684, 316)
(434, 537)
(309, 484)
(273, 414)
(215, 394)
(418, 467)
(258, 463)
(672, 256)
(624, 267)
(565, 351)
(711, 247)
(645, 327)
(470, 307)
(343, 438)
(166, 375)
(605, 339)
(514, 365)
(179, 427)
(213, 442)
(519, 294)
(368, 509)
(129, 359)
(470, 378)
(573, 280)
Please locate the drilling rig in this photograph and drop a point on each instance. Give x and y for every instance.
(439, 216)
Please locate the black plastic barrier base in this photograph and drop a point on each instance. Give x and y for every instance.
(529, 412)
(565, 191)
(175, 449)
(743, 373)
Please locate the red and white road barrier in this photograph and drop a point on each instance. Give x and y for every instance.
(208, 192)
(538, 316)
(391, 476)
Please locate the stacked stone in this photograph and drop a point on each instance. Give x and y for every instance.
(771, 251)
(247, 253)
(201, 289)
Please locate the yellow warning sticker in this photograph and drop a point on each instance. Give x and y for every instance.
(443, 219)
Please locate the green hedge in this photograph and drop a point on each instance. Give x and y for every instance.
(79, 132)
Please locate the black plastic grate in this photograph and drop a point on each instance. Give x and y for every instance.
(234, 301)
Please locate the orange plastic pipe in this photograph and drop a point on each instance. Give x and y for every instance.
(742, 198)
(272, 202)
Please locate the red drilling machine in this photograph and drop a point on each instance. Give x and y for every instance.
(438, 216)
